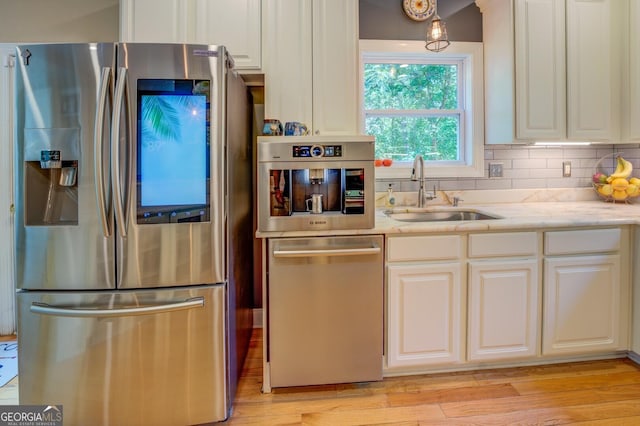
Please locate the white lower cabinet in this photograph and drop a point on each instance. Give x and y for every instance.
(425, 309)
(581, 304)
(496, 297)
(586, 297)
(503, 309)
(425, 301)
(504, 301)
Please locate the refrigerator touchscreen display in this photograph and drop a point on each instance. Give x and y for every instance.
(173, 151)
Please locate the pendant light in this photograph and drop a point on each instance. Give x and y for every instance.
(437, 38)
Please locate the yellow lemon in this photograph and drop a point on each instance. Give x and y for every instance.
(634, 181)
(619, 195)
(633, 190)
(620, 184)
(605, 190)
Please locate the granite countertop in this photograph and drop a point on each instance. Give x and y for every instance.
(532, 209)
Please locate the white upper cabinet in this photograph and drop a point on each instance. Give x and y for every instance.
(153, 21)
(594, 68)
(311, 68)
(631, 110)
(499, 70)
(235, 24)
(540, 69)
(287, 63)
(335, 67)
(568, 75)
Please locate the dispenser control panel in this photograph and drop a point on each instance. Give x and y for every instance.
(307, 151)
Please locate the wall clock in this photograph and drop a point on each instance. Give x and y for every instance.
(419, 10)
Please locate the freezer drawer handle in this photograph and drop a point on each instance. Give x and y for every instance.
(45, 309)
(327, 252)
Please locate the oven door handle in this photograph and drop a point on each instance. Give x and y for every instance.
(327, 252)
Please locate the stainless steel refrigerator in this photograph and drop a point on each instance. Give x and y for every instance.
(133, 227)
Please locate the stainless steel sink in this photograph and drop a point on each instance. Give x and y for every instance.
(437, 215)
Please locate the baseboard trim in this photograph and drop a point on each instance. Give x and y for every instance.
(257, 317)
(634, 357)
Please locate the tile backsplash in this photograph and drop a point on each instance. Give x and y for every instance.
(528, 167)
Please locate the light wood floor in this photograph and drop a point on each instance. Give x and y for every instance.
(9, 392)
(585, 393)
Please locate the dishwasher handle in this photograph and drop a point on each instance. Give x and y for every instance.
(327, 252)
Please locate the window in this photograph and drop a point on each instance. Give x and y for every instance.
(419, 102)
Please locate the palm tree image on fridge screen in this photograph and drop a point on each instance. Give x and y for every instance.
(173, 146)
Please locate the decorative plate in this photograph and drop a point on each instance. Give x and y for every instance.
(419, 10)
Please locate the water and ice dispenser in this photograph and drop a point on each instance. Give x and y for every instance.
(51, 159)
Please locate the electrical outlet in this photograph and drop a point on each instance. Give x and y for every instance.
(495, 170)
(566, 169)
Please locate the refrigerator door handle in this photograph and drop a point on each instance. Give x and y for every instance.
(116, 181)
(98, 144)
(45, 309)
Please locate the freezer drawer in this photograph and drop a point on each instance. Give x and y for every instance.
(325, 310)
(127, 358)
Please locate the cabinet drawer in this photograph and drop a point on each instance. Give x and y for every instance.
(432, 247)
(503, 244)
(583, 241)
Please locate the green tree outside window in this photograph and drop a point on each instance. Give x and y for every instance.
(413, 109)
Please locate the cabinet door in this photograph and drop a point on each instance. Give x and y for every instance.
(499, 71)
(425, 311)
(581, 304)
(593, 68)
(335, 67)
(153, 21)
(233, 23)
(287, 62)
(632, 124)
(503, 309)
(540, 69)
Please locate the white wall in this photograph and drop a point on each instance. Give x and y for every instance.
(7, 286)
(58, 20)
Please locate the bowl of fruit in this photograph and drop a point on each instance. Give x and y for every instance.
(618, 186)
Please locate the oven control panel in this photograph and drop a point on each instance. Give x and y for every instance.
(307, 151)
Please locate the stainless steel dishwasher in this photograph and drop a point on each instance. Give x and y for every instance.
(325, 310)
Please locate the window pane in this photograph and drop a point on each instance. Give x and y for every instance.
(410, 86)
(402, 138)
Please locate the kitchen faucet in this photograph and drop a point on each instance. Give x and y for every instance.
(419, 162)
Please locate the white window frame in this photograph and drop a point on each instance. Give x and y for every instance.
(471, 96)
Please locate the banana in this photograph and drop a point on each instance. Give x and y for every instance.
(619, 166)
(623, 170)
